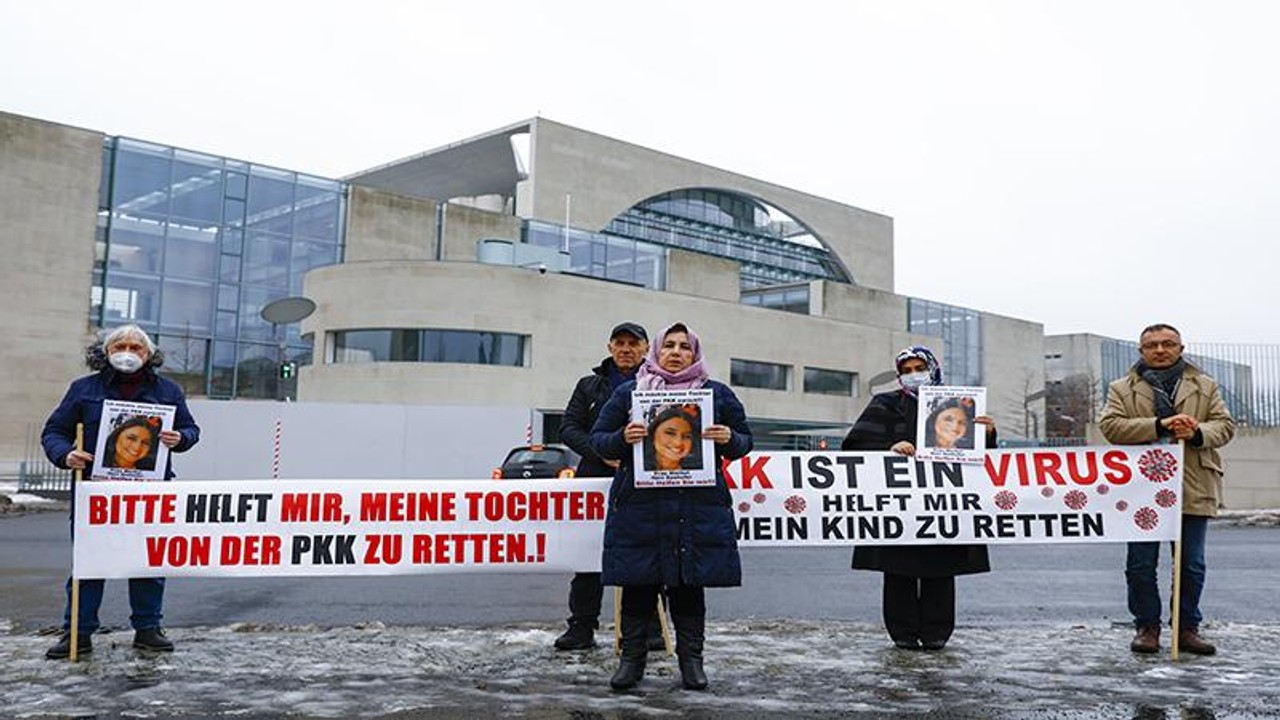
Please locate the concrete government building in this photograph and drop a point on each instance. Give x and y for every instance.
(484, 273)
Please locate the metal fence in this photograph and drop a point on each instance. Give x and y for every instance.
(38, 476)
(1249, 376)
(1016, 443)
(42, 478)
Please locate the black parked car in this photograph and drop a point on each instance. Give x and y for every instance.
(538, 461)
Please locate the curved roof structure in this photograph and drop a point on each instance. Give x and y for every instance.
(586, 180)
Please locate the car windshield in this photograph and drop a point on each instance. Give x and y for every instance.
(533, 457)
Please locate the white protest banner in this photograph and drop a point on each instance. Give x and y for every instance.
(1040, 495)
(386, 527)
(674, 452)
(128, 444)
(336, 527)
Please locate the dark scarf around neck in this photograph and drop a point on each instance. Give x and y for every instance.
(1164, 382)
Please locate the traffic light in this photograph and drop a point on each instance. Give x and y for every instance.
(287, 370)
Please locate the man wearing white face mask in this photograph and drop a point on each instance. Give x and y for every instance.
(125, 369)
(919, 580)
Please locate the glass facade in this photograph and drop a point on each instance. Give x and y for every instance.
(830, 382)
(961, 332)
(755, 374)
(1117, 357)
(603, 256)
(426, 345)
(772, 248)
(192, 246)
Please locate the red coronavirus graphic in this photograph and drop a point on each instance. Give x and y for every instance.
(1157, 465)
(1006, 500)
(794, 504)
(1122, 505)
(1075, 499)
(758, 498)
(1146, 518)
(1047, 492)
(1166, 498)
(744, 507)
(1103, 489)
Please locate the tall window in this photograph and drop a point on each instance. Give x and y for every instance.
(756, 374)
(960, 330)
(788, 298)
(191, 247)
(771, 247)
(603, 256)
(433, 346)
(830, 382)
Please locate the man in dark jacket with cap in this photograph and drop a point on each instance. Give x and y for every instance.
(628, 344)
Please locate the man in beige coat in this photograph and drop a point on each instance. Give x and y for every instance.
(1166, 399)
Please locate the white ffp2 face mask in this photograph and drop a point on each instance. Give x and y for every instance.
(125, 362)
(915, 380)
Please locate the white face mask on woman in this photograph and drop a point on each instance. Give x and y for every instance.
(915, 380)
(125, 362)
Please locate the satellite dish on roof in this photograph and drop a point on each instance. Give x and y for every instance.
(288, 310)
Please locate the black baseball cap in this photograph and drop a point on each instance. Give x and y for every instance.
(631, 329)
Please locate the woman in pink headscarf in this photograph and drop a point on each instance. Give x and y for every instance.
(667, 539)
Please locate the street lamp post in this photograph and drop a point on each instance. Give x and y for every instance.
(279, 312)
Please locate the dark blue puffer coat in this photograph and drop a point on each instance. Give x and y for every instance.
(83, 404)
(670, 536)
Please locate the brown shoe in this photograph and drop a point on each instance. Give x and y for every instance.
(1191, 641)
(1146, 641)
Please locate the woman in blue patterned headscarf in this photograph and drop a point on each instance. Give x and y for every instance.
(919, 580)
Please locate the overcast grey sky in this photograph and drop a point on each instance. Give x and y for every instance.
(1094, 166)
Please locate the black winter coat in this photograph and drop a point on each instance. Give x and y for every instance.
(589, 396)
(670, 536)
(889, 418)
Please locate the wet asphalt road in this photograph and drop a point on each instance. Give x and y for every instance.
(1044, 635)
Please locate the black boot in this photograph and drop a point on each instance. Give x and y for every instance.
(635, 650)
(690, 634)
(63, 648)
(152, 639)
(579, 636)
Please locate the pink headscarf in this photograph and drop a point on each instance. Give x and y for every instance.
(651, 376)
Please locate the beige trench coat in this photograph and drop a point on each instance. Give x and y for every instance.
(1130, 420)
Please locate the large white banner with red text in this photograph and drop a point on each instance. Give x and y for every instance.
(336, 527)
(1042, 495)
(384, 527)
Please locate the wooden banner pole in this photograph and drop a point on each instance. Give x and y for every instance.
(1177, 592)
(664, 625)
(1176, 600)
(617, 621)
(75, 581)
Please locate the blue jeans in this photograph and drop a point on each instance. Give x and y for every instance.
(145, 598)
(1140, 573)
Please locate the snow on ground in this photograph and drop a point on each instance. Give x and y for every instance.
(757, 669)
